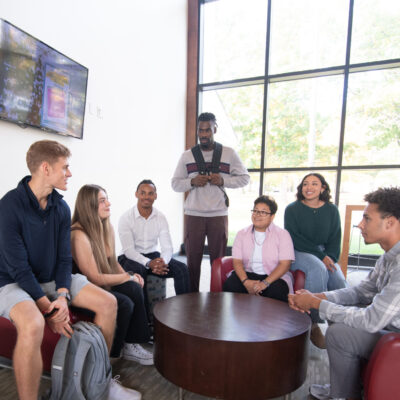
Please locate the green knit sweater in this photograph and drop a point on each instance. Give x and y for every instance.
(313, 227)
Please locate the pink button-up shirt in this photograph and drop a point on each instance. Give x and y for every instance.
(277, 246)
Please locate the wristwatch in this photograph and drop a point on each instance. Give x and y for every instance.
(266, 283)
(66, 295)
(132, 275)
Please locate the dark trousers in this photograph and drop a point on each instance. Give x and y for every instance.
(132, 322)
(177, 270)
(278, 290)
(196, 231)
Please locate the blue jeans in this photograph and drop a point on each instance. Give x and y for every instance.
(318, 277)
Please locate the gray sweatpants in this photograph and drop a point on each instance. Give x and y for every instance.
(347, 347)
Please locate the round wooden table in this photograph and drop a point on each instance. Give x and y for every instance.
(231, 346)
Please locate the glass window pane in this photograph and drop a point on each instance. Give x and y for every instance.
(376, 31)
(372, 134)
(307, 34)
(355, 184)
(357, 246)
(304, 122)
(239, 117)
(240, 203)
(234, 39)
(282, 186)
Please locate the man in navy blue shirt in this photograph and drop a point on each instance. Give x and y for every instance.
(36, 284)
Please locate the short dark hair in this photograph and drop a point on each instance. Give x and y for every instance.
(269, 201)
(146, 182)
(387, 200)
(207, 116)
(324, 196)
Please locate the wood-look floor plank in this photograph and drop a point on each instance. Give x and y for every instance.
(153, 386)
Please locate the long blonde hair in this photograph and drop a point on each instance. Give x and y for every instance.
(99, 232)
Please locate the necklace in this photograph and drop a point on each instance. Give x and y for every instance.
(259, 234)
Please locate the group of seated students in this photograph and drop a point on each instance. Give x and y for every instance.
(39, 244)
(263, 253)
(359, 316)
(93, 252)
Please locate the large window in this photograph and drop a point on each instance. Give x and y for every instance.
(300, 85)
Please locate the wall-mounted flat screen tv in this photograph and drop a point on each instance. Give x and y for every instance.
(39, 86)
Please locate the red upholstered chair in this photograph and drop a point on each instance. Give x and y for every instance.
(222, 266)
(381, 374)
(8, 335)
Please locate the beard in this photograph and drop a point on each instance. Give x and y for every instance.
(205, 144)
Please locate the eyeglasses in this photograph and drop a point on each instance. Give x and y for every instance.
(261, 213)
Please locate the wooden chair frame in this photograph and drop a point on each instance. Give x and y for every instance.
(344, 257)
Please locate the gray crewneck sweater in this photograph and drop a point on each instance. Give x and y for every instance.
(208, 201)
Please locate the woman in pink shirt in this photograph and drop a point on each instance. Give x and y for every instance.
(262, 254)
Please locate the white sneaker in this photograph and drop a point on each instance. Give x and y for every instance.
(135, 352)
(322, 392)
(119, 392)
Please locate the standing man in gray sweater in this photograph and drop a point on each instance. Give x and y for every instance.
(363, 313)
(206, 206)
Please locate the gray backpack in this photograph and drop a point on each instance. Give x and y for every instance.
(80, 369)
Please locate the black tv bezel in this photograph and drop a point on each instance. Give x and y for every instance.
(44, 128)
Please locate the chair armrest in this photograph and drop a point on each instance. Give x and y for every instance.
(299, 278)
(216, 280)
(381, 375)
(220, 269)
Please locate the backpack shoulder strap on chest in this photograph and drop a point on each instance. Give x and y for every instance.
(216, 158)
(198, 157)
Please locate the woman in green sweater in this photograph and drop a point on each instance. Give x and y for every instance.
(314, 225)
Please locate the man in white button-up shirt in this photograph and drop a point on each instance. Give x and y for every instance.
(141, 229)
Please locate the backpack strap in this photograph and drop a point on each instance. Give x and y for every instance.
(198, 157)
(216, 158)
(80, 358)
(94, 339)
(215, 162)
(57, 367)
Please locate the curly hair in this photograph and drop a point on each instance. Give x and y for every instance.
(269, 201)
(387, 200)
(324, 196)
(207, 116)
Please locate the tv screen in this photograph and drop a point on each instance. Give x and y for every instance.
(39, 86)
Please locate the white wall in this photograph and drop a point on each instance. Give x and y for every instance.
(136, 54)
